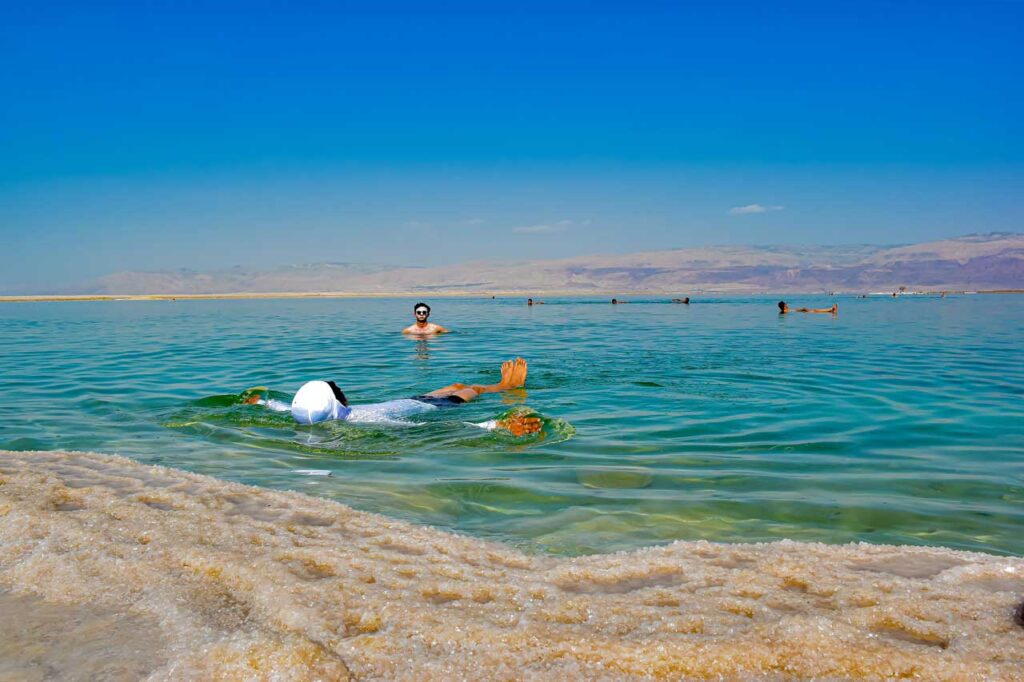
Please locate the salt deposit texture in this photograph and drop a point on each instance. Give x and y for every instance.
(110, 568)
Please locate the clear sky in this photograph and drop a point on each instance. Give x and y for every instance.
(156, 135)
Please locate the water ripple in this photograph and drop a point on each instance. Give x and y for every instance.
(896, 421)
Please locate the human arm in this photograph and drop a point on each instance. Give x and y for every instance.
(516, 424)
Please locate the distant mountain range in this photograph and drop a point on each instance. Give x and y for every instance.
(972, 262)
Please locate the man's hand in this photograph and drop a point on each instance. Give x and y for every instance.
(520, 424)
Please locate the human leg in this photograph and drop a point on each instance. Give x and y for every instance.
(513, 375)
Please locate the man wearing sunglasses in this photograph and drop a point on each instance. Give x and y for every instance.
(421, 327)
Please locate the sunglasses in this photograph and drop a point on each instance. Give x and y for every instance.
(422, 312)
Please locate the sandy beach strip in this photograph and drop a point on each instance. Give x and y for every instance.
(450, 294)
(113, 568)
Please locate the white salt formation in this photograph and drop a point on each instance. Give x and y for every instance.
(112, 569)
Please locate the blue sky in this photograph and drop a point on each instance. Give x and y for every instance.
(152, 135)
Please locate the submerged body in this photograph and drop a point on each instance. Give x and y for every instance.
(784, 308)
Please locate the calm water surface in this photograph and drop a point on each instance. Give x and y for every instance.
(899, 421)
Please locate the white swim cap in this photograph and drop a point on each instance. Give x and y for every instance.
(315, 403)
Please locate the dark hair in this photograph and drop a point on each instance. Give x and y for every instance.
(421, 305)
(782, 305)
(337, 393)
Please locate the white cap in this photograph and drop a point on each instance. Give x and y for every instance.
(315, 403)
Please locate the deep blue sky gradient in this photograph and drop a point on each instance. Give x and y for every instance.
(158, 135)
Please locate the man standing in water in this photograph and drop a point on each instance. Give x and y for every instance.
(422, 327)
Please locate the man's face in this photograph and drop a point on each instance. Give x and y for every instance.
(421, 314)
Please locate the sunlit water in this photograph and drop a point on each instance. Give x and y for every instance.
(898, 421)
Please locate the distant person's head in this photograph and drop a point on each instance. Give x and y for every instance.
(614, 301)
(421, 311)
(782, 306)
(686, 300)
(529, 301)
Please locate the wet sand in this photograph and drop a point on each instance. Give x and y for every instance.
(114, 569)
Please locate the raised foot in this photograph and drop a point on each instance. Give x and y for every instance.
(513, 373)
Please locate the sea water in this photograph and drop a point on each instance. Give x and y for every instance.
(896, 421)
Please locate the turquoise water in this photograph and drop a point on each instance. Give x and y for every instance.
(898, 421)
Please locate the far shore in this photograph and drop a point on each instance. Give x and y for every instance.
(465, 294)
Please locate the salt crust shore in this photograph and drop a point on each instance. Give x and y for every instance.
(109, 568)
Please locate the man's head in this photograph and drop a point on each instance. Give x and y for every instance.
(529, 301)
(421, 311)
(782, 306)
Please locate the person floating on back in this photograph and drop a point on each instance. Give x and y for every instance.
(616, 301)
(320, 401)
(783, 309)
(421, 327)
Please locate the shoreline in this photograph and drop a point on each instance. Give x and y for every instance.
(461, 294)
(228, 580)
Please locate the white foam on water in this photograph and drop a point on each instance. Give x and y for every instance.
(111, 568)
(389, 412)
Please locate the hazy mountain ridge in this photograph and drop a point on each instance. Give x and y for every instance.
(993, 261)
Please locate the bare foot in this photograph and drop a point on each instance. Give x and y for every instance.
(519, 370)
(513, 373)
(520, 424)
(506, 373)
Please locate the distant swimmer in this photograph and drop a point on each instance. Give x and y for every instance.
(530, 301)
(783, 309)
(616, 301)
(320, 401)
(421, 327)
(684, 301)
